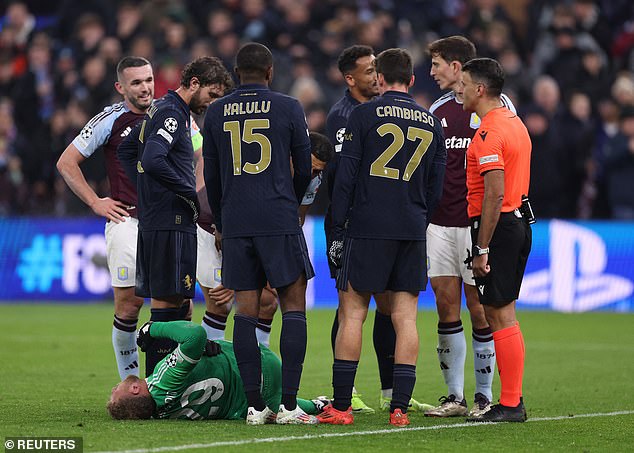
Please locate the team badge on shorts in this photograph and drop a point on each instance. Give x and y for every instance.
(218, 275)
(122, 273)
(188, 282)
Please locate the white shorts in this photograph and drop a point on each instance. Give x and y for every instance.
(209, 260)
(121, 251)
(447, 249)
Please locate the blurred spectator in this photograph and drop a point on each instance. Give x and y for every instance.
(619, 161)
(57, 58)
(548, 164)
(577, 137)
(623, 89)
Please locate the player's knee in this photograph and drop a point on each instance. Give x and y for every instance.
(128, 305)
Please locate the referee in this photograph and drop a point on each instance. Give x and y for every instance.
(498, 172)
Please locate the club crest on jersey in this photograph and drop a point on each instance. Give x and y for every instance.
(122, 273)
(474, 121)
(171, 124)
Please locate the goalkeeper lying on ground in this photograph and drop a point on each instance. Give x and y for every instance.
(199, 380)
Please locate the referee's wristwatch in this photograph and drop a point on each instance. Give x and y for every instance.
(481, 251)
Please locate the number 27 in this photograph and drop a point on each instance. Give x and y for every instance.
(379, 166)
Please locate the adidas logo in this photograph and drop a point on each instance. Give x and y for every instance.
(486, 370)
(132, 366)
(443, 122)
(126, 132)
(443, 366)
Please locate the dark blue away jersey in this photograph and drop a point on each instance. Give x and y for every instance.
(390, 171)
(335, 129)
(160, 154)
(250, 138)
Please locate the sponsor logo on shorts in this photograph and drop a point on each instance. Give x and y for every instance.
(122, 273)
(218, 274)
(188, 282)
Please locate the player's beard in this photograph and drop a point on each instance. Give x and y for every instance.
(196, 105)
(141, 105)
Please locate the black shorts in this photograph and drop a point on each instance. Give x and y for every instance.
(509, 249)
(166, 264)
(377, 265)
(248, 263)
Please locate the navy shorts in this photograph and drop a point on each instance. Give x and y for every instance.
(377, 265)
(509, 250)
(166, 264)
(249, 262)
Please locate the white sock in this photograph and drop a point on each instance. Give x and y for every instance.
(263, 331)
(452, 353)
(386, 393)
(125, 349)
(263, 336)
(484, 361)
(215, 326)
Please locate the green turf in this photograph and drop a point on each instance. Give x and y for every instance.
(58, 368)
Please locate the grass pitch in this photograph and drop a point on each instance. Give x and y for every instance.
(58, 368)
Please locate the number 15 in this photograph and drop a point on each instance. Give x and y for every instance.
(248, 136)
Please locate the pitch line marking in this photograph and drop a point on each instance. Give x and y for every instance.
(231, 443)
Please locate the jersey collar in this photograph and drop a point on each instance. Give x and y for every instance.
(253, 86)
(352, 100)
(398, 94)
(179, 99)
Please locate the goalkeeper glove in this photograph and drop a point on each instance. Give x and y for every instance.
(143, 337)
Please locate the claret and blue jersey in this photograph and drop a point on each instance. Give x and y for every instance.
(393, 156)
(250, 138)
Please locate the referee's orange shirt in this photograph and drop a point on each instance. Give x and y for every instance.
(501, 143)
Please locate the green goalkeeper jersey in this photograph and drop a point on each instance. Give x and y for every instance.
(188, 385)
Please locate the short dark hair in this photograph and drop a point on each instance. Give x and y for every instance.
(395, 65)
(130, 62)
(453, 48)
(254, 60)
(488, 72)
(347, 61)
(208, 71)
(320, 147)
(132, 407)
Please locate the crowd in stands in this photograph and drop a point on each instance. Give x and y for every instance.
(569, 69)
